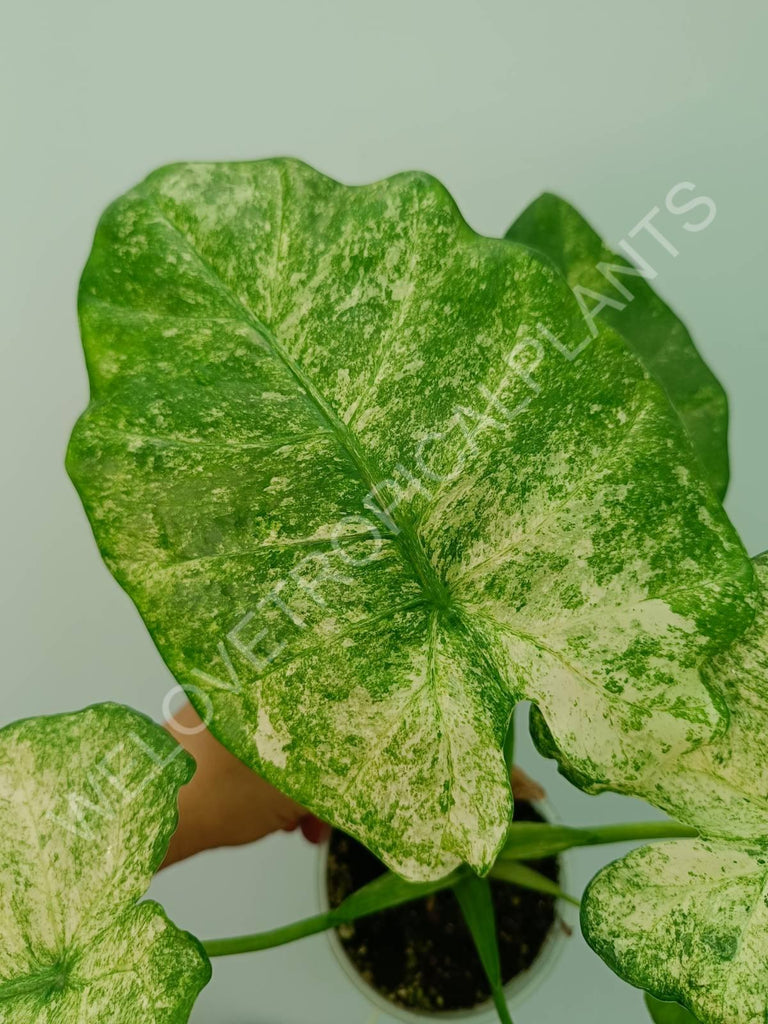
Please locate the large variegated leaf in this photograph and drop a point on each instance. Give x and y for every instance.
(611, 288)
(342, 455)
(688, 921)
(87, 807)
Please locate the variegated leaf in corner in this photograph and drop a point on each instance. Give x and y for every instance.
(688, 920)
(721, 787)
(367, 491)
(87, 807)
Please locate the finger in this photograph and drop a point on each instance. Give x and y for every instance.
(524, 787)
(314, 830)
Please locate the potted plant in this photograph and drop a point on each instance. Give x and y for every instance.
(371, 480)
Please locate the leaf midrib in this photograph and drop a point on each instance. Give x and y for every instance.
(42, 981)
(405, 535)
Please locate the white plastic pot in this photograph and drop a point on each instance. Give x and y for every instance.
(517, 990)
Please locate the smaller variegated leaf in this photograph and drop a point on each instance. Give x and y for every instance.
(721, 787)
(687, 921)
(87, 807)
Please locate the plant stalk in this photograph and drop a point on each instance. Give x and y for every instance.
(515, 873)
(500, 1002)
(533, 840)
(527, 840)
(267, 940)
(388, 890)
(639, 830)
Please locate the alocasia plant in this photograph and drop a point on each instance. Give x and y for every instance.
(343, 455)
(369, 486)
(87, 807)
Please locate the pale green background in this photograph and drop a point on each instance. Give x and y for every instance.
(609, 103)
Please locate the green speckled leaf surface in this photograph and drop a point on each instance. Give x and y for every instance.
(364, 504)
(688, 920)
(87, 807)
(722, 787)
(626, 301)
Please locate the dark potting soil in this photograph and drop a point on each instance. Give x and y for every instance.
(421, 955)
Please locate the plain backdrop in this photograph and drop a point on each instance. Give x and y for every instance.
(608, 103)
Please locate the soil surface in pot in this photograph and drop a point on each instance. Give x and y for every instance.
(421, 955)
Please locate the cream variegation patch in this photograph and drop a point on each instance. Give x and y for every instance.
(687, 920)
(87, 807)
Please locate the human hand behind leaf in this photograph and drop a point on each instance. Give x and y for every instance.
(226, 803)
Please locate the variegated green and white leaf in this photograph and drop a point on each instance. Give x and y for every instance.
(275, 359)
(708, 898)
(722, 787)
(610, 288)
(688, 921)
(87, 807)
